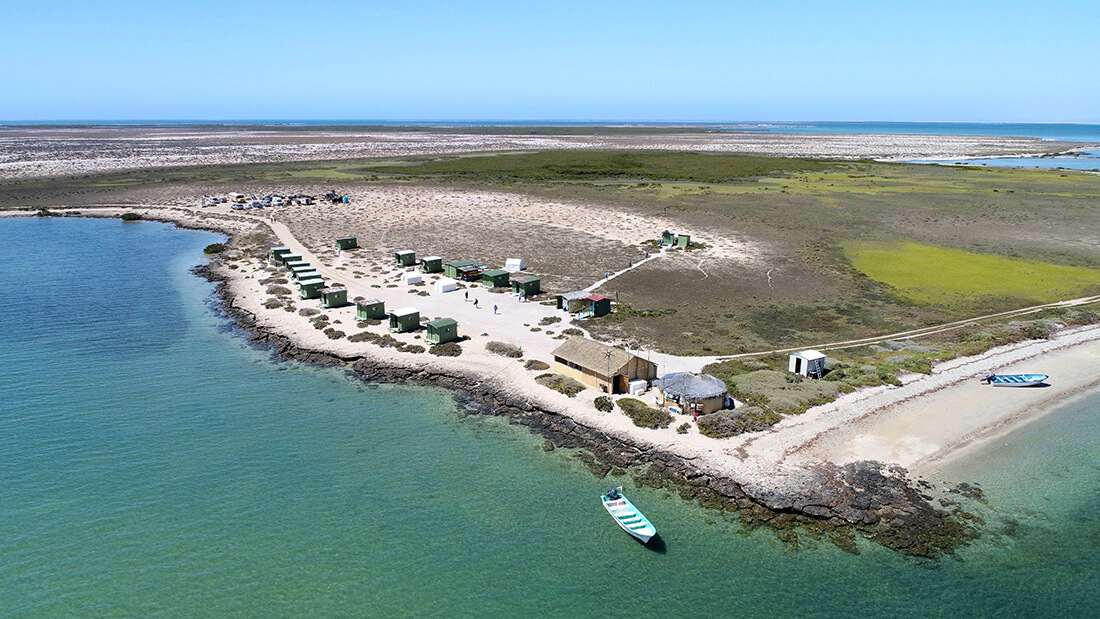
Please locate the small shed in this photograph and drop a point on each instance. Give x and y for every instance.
(289, 257)
(495, 278)
(513, 265)
(668, 238)
(683, 240)
(310, 288)
(442, 331)
(302, 266)
(296, 263)
(277, 253)
(462, 269)
(431, 264)
(689, 392)
(598, 305)
(404, 319)
(346, 242)
(526, 285)
(370, 309)
(307, 273)
(446, 284)
(606, 368)
(412, 278)
(809, 363)
(334, 296)
(573, 302)
(404, 258)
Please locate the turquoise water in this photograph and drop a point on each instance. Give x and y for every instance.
(151, 462)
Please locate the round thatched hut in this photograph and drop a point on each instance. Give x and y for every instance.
(689, 393)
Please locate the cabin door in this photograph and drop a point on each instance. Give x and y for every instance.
(797, 365)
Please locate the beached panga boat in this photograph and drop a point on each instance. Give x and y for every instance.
(629, 518)
(1015, 380)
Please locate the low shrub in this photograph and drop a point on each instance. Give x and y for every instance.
(277, 290)
(604, 404)
(723, 424)
(559, 383)
(536, 365)
(308, 311)
(333, 334)
(273, 303)
(214, 248)
(130, 216)
(683, 428)
(449, 349)
(504, 350)
(274, 280)
(549, 320)
(644, 416)
(572, 331)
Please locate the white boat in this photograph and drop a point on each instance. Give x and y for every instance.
(1015, 380)
(627, 516)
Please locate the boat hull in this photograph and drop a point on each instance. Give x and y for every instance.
(1016, 380)
(629, 518)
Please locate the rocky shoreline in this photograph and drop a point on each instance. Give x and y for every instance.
(878, 501)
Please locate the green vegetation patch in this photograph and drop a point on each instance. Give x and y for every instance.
(938, 275)
(644, 416)
(559, 383)
(607, 165)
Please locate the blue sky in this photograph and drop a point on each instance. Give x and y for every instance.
(965, 61)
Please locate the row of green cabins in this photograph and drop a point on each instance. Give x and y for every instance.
(312, 286)
(471, 271)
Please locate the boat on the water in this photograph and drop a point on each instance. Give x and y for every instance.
(1015, 380)
(627, 516)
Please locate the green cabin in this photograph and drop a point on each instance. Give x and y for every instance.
(370, 309)
(302, 267)
(598, 306)
(683, 240)
(495, 278)
(346, 242)
(527, 285)
(405, 258)
(310, 288)
(291, 258)
(457, 269)
(307, 273)
(404, 319)
(277, 253)
(334, 296)
(297, 263)
(442, 331)
(668, 238)
(431, 264)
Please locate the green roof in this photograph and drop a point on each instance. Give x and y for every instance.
(494, 273)
(442, 322)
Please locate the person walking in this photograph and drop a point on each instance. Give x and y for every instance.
(467, 295)
(475, 303)
(494, 310)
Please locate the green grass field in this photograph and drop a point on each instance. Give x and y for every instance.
(943, 277)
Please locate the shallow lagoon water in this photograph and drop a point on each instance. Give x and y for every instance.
(152, 462)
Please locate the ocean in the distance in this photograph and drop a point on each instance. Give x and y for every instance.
(153, 463)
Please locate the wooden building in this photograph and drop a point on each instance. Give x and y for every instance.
(334, 296)
(346, 242)
(404, 319)
(431, 264)
(573, 302)
(370, 309)
(495, 278)
(277, 253)
(289, 257)
(527, 285)
(466, 270)
(295, 263)
(306, 273)
(310, 288)
(404, 258)
(606, 368)
(598, 306)
(441, 331)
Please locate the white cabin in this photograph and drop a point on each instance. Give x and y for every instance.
(513, 265)
(446, 284)
(809, 363)
(411, 278)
